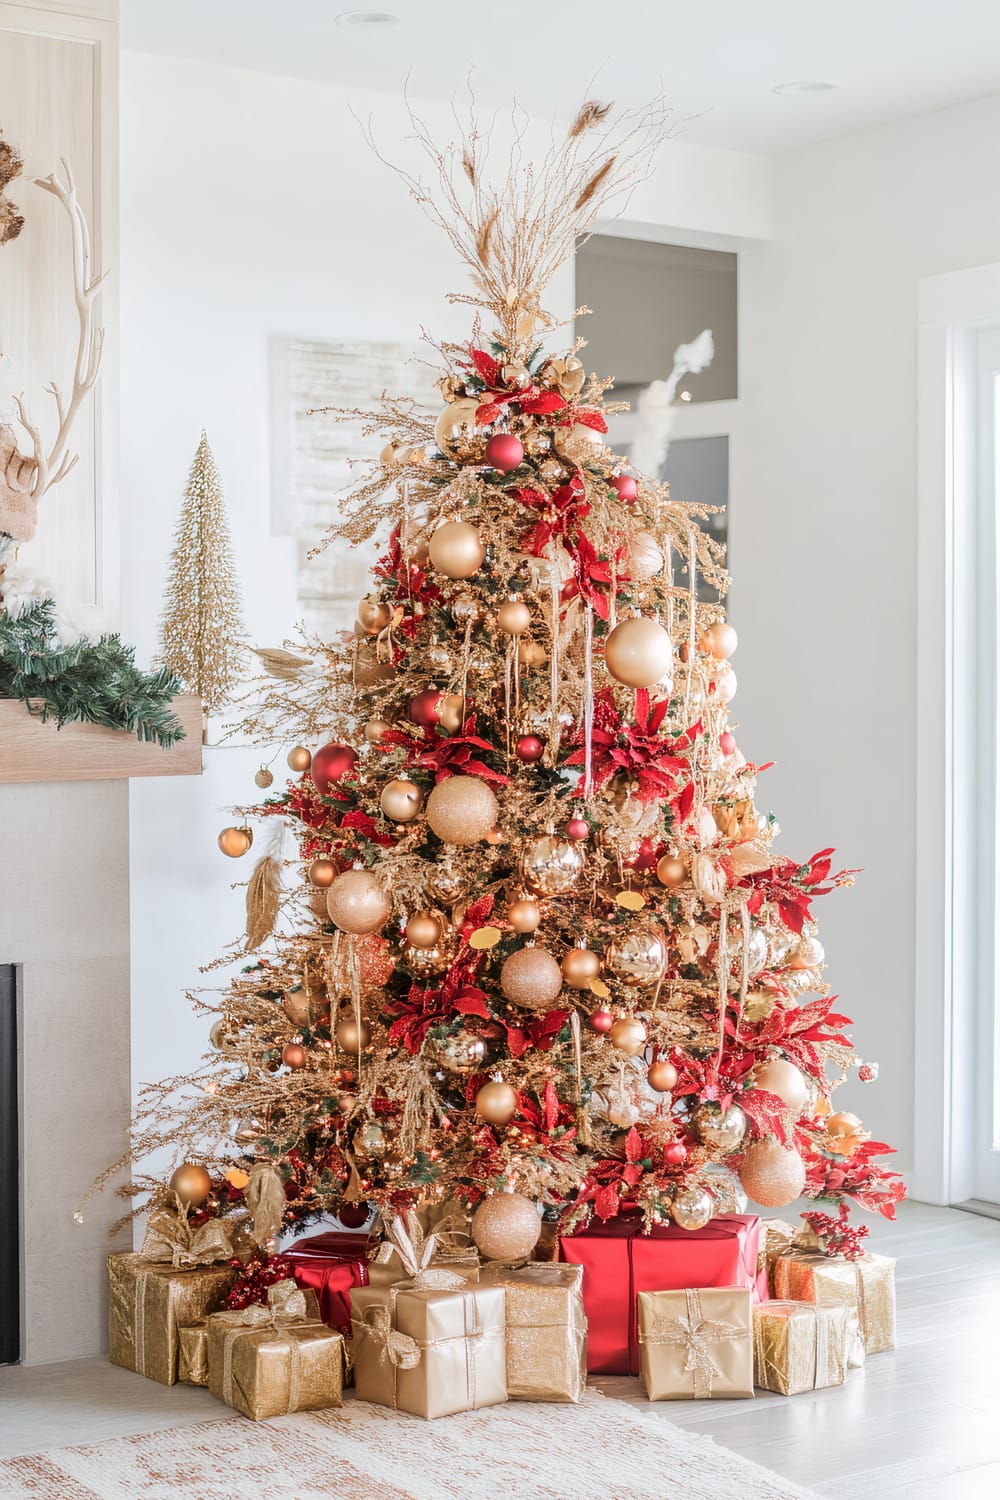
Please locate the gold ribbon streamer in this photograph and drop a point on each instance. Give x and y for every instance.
(588, 700)
(696, 1335)
(265, 1198)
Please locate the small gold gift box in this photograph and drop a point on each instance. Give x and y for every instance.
(149, 1302)
(696, 1344)
(799, 1346)
(271, 1361)
(192, 1352)
(775, 1238)
(866, 1285)
(546, 1330)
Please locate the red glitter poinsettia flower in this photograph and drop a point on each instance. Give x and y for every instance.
(531, 398)
(800, 1031)
(412, 583)
(540, 1033)
(547, 1124)
(446, 755)
(593, 576)
(857, 1177)
(583, 416)
(792, 888)
(457, 995)
(615, 1177)
(650, 760)
(837, 1236)
(557, 513)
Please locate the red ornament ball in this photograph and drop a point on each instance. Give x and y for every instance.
(602, 1021)
(626, 487)
(727, 742)
(504, 451)
(330, 764)
(676, 1154)
(529, 748)
(354, 1215)
(578, 829)
(425, 708)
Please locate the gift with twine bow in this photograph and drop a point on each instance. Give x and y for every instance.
(546, 1330)
(192, 1352)
(180, 1275)
(696, 1345)
(432, 1343)
(806, 1273)
(274, 1360)
(798, 1346)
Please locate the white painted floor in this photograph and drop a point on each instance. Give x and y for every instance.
(921, 1423)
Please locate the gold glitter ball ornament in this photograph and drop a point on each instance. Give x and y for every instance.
(357, 903)
(457, 549)
(496, 1103)
(456, 426)
(637, 957)
(692, 1208)
(263, 778)
(629, 1035)
(550, 865)
(719, 1129)
(531, 978)
(638, 652)
(401, 800)
(191, 1183)
(772, 1174)
(781, 1077)
(506, 1226)
(462, 810)
(458, 1052)
(808, 954)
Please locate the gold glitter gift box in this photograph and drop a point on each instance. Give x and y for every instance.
(271, 1361)
(546, 1330)
(696, 1344)
(192, 1351)
(775, 1238)
(149, 1302)
(799, 1346)
(866, 1285)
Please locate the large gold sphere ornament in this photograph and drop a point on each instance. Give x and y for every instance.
(457, 549)
(671, 871)
(235, 841)
(401, 800)
(458, 1052)
(662, 1075)
(692, 1208)
(726, 685)
(506, 1227)
(637, 956)
(306, 1008)
(719, 640)
(524, 915)
(322, 873)
(496, 1103)
(638, 652)
(294, 1056)
(357, 902)
(719, 1129)
(514, 617)
(580, 966)
(781, 1077)
(629, 1035)
(299, 758)
(424, 929)
(773, 1175)
(373, 615)
(191, 1183)
(351, 1037)
(462, 810)
(551, 865)
(531, 978)
(456, 425)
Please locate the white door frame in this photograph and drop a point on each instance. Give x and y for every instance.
(951, 309)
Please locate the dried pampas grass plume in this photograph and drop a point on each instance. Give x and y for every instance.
(591, 113)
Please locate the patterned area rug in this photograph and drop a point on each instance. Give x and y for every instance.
(522, 1451)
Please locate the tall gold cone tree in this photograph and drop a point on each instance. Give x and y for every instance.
(202, 623)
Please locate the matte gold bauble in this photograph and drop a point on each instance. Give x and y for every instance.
(461, 810)
(451, 712)
(457, 549)
(506, 1227)
(456, 425)
(263, 778)
(719, 640)
(192, 1184)
(773, 1175)
(638, 652)
(551, 865)
(645, 560)
(306, 1008)
(514, 617)
(373, 615)
(629, 1036)
(294, 1056)
(661, 1076)
(424, 929)
(808, 954)
(375, 729)
(357, 903)
(531, 978)
(781, 1077)
(524, 915)
(692, 1208)
(235, 841)
(580, 966)
(351, 1038)
(401, 800)
(458, 1052)
(637, 956)
(531, 653)
(496, 1103)
(719, 1129)
(671, 871)
(322, 873)
(299, 758)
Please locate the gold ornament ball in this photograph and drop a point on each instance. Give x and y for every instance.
(661, 1076)
(424, 929)
(772, 1174)
(357, 903)
(638, 652)
(692, 1208)
(424, 962)
(719, 1129)
(629, 1035)
(719, 640)
(496, 1103)
(808, 954)
(302, 1008)
(451, 712)
(401, 800)
(531, 653)
(506, 1227)
(352, 1038)
(447, 885)
(580, 966)
(531, 978)
(671, 871)
(457, 549)
(322, 873)
(263, 778)
(294, 1056)
(225, 1036)
(637, 957)
(456, 425)
(514, 618)
(299, 758)
(725, 686)
(375, 729)
(192, 1184)
(462, 810)
(235, 841)
(373, 615)
(371, 1139)
(574, 442)
(458, 1052)
(551, 865)
(524, 915)
(781, 1077)
(645, 560)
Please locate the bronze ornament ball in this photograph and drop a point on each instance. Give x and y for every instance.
(496, 1103)
(550, 865)
(401, 800)
(772, 1174)
(637, 957)
(294, 1055)
(692, 1208)
(531, 978)
(357, 903)
(375, 729)
(191, 1183)
(719, 640)
(462, 810)
(350, 1037)
(524, 915)
(322, 873)
(506, 1226)
(580, 966)
(514, 617)
(671, 871)
(638, 652)
(235, 841)
(457, 550)
(719, 1129)
(424, 929)
(299, 758)
(661, 1076)
(781, 1077)
(451, 712)
(263, 778)
(373, 615)
(629, 1035)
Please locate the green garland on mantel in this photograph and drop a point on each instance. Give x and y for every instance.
(94, 682)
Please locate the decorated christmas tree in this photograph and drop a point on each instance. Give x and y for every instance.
(538, 955)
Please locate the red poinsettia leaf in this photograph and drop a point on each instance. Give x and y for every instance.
(488, 413)
(587, 416)
(470, 1003)
(542, 404)
(550, 1110)
(606, 1202)
(791, 915)
(517, 1042)
(486, 365)
(632, 1173)
(633, 1145)
(685, 802)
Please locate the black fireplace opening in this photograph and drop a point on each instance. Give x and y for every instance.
(10, 1288)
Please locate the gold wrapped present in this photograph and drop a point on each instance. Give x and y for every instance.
(866, 1285)
(411, 1247)
(192, 1350)
(799, 1346)
(546, 1330)
(696, 1344)
(775, 1237)
(271, 1361)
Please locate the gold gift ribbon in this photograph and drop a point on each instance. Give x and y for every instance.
(169, 1238)
(286, 1306)
(695, 1334)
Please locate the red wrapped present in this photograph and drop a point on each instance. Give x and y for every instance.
(619, 1261)
(330, 1265)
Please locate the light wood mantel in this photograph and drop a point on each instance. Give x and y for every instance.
(31, 750)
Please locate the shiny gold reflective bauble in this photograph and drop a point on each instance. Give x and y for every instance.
(645, 560)
(458, 1052)
(781, 1077)
(351, 1038)
(245, 1132)
(423, 962)
(322, 873)
(461, 810)
(531, 653)
(263, 778)
(457, 549)
(506, 1227)
(719, 640)
(235, 841)
(692, 1208)
(192, 1184)
(719, 1129)
(496, 1103)
(637, 956)
(451, 712)
(424, 929)
(661, 1076)
(638, 652)
(371, 1139)
(401, 800)
(808, 954)
(299, 758)
(456, 425)
(373, 615)
(551, 865)
(629, 1035)
(514, 618)
(225, 1036)
(531, 978)
(357, 902)
(306, 1008)
(447, 885)
(580, 966)
(524, 915)
(773, 1175)
(294, 1055)
(844, 1133)
(375, 729)
(671, 871)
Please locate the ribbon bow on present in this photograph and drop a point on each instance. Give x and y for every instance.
(170, 1238)
(696, 1335)
(402, 1351)
(417, 1251)
(285, 1304)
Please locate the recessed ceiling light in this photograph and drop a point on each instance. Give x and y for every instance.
(804, 89)
(366, 18)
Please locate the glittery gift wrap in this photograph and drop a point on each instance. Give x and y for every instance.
(192, 1352)
(696, 1344)
(799, 1346)
(429, 1352)
(149, 1302)
(387, 1272)
(546, 1330)
(866, 1285)
(272, 1371)
(775, 1238)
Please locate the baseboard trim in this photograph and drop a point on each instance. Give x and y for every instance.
(978, 1206)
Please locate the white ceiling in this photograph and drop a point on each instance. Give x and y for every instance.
(716, 60)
